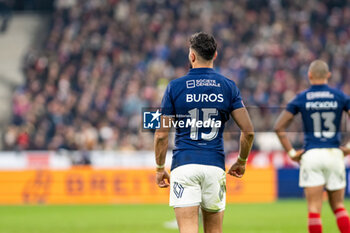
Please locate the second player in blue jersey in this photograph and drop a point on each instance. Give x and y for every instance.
(321, 108)
(322, 159)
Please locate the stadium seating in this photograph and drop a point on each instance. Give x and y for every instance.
(104, 60)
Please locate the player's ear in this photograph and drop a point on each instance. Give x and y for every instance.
(193, 57)
(215, 55)
(190, 53)
(329, 75)
(309, 75)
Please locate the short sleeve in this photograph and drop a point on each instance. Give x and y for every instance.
(167, 106)
(236, 100)
(293, 106)
(347, 102)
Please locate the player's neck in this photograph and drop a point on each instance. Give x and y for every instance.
(319, 82)
(200, 65)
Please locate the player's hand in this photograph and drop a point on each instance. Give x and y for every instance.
(161, 176)
(297, 157)
(237, 169)
(346, 150)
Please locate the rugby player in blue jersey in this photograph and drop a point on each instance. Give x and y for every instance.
(322, 160)
(199, 104)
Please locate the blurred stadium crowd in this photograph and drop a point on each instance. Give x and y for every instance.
(105, 60)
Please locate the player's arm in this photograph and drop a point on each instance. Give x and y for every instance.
(280, 127)
(242, 119)
(161, 146)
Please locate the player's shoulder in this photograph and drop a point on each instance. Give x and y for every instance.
(225, 80)
(331, 92)
(337, 92)
(178, 82)
(325, 92)
(301, 95)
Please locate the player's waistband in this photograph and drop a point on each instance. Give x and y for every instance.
(312, 147)
(204, 157)
(328, 149)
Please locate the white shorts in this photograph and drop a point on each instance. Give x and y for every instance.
(323, 167)
(195, 184)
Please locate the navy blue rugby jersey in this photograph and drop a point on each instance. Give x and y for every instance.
(321, 108)
(200, 104)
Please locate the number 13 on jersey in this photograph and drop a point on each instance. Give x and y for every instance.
(324, 120)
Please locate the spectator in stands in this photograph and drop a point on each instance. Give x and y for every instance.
(85, 88)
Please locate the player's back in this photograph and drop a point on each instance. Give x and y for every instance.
(321, 108)
(201, 102)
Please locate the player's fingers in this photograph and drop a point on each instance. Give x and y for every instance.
(163, 185)
(159, 180)
(167, 176)
(300, 152)
(343, 149)
(230, 172)
(236, 174)
(232, 169)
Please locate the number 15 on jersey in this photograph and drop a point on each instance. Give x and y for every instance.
(208, 113)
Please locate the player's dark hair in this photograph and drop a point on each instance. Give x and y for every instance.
(204, 44)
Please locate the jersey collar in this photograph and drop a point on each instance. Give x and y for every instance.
(319, 85)
(201, 71)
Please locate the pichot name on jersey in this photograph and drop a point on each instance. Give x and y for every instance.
(320, 105)
(210, 123)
